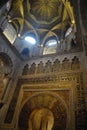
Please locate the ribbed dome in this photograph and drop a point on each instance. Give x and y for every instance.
(44, 9)
(42, 18)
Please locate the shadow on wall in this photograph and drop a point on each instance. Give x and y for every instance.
(25, 53)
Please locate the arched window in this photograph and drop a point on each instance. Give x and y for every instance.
(50, 47)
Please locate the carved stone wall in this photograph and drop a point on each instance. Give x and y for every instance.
(5, 71)
(55, 83)
(49, 66)
(8, 75)
(33, 92)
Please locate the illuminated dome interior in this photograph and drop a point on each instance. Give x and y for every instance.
(41, 21)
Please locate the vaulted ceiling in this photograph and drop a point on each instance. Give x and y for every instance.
(41, 18)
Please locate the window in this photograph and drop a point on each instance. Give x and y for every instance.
(50, 47)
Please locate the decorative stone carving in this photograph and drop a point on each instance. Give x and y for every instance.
(40, 68)
(41, 119)
(66, 65)
(42, 108)
(2, 77)
(48, 67)
(32, 69)
(75, 63)
(56, 66)
(25, 70)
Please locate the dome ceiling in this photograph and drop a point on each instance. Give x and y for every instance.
(43, 18)
(45, 10)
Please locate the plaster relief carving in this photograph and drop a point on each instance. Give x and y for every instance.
(56, 66)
